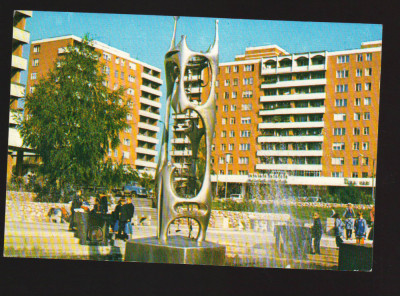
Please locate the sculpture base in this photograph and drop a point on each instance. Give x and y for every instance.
(177, 250)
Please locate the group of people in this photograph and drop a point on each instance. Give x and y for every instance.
(359, 225)
(121, 219)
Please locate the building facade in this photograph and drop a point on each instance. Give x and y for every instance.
(21, 37)
(141, 82)
(300, 119)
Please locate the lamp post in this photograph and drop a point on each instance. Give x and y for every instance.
(227, 159)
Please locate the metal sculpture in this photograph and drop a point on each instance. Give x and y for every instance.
(170, 205)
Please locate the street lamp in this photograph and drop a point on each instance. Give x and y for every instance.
(227, 159)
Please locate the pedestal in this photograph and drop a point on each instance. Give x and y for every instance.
(177, 250)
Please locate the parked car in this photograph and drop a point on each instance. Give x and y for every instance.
(134, 191)
(236, 197)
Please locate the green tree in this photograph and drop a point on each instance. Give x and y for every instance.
(147, 181)
(73, 119)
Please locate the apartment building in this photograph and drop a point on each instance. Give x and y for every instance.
(301, 119)
(140, 80)
(21, 37)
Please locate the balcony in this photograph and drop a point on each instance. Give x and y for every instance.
(152, 78)
(293, 97)
(290, 167)
(289, 139)
(146, 151)
(149, 114)
(307, 124)
(286, 111)
(17, 90)
(193, 90)
(150, 90)
(150, 102)
(19, 63)
(289, 153)
(147, 126)
(180, 141)
(192, 114)
(294, 83)
(181, 153)
(149, 164)
(192, 78)
(21, 35)
(147, 139)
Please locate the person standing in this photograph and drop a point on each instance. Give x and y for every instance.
(103, 204)
(338, 229)
(76, 204)
(125, 217)
(130, 209)
(372, 216)
(360, 226)
(349, 216)
(316, 233)
(115, 216)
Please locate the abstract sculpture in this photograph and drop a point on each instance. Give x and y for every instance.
(170, 205)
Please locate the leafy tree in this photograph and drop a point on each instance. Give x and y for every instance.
(73, 118)
(147, 181)
(113, 175)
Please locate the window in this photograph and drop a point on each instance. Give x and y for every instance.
(368, 57)
(342, 74)
(366, 131)
(234, 95)
(232, 120)
(33, 76)
(235, 69)
(222, 161)
(227, 82)
(225, 108)
(128, 130)
(368, 86)
(223, 147)
(356, 131)
(31, 89)
(248, 68)
(358, 87)
(122, 62)
(341, 102)
(356, 146)
(130, 91)
(106, 56)
(228, 69)
(36, 49)
(368, 71)
(365, 146)
(109, 152)
(115, 153)
(355, 160)
(357, 116)
(129, 117)
(244, 147)
(231, 147)
(342, 59)
(216, 83)
(244, 173)
(131, 78)
(248, 81)
(339, 117)
(364, 174)
(245, 120)
(122, 75)
(359, 72)
(223, 134)
(226, 95)
(357, 102)
(367, 116)
(337, 174)
(338, 146)
(223, 120)
(132, 66)
(35, 62)
(117, 60)
(221, 172)
(105, 83)
(232, 134)
(367, 101)
(127, 142)
(247, 107)
(354, 175)
(337, 160)
(116, 74)
(339, 131)
(247, 94)
(235, 82)
(245, 134)
(341, 88)
(243, 160)
(106, 70)
(233, 107)
(359, 57)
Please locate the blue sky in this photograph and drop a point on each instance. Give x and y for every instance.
(147, 37)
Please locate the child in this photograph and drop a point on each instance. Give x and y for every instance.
(360, 226)
(317, 233)
(338, 229)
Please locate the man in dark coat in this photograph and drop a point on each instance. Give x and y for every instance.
(76, 204)
(317, 233)
(125, 217)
